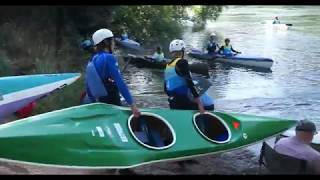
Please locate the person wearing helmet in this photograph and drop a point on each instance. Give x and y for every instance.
(178, 83)
(227, 49)
(276, 20)
(103, 78)
(212, 45)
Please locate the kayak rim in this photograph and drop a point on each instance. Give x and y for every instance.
(215, 118)
(160, 119)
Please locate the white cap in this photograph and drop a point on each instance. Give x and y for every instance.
(100, 35)
(213, 34)
(177, 45)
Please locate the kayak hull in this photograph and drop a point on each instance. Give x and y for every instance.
(258, 62)
(18, 91)
(99, 136)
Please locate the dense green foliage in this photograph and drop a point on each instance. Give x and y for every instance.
(46, 39)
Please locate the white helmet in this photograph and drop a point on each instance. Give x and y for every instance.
(100, 35)
(213, 34)
(177, 45)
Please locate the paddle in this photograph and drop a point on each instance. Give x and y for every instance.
(201, 84)
(289, 24)
(125, 66)
(144, 128)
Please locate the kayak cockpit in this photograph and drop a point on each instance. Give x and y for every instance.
(212, 127)
(152, 131)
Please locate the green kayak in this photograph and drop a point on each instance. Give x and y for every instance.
(105, 136)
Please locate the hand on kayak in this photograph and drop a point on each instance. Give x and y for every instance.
(200, 106)
(135, 111)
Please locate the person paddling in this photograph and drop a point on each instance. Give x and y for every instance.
(212, 45)
(103, 78)
(276, 20)
(158, 56)
(227, 49)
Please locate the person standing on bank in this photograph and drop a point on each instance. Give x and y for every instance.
(103, 78)
(178, 83)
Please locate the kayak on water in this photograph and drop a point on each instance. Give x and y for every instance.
(128, 43)
(17, 92)
(102, 136)
(281, 26)
(237, 59)
(149, 62)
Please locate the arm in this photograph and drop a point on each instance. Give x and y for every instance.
(220, 49)
(182, 68)
(217, 45)
(165, 88)
(234, 50)
(116, 76)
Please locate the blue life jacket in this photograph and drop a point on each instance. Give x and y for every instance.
(124, 36)
(94, 82)
(175, 84)
(227, 50)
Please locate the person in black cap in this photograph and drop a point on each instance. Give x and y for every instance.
(298, 146)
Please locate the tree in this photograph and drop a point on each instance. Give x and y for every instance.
(204, 13)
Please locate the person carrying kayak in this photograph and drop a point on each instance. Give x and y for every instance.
(212, 45)
(227, 49)
(103, 78)
(158, 56)
(178, 83)
(276, 20)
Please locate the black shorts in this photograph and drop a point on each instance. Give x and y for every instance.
(184, 103)
(112, 98)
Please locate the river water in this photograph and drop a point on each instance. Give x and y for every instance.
(290, 90)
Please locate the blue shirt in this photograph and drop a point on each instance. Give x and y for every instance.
(107, 67)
